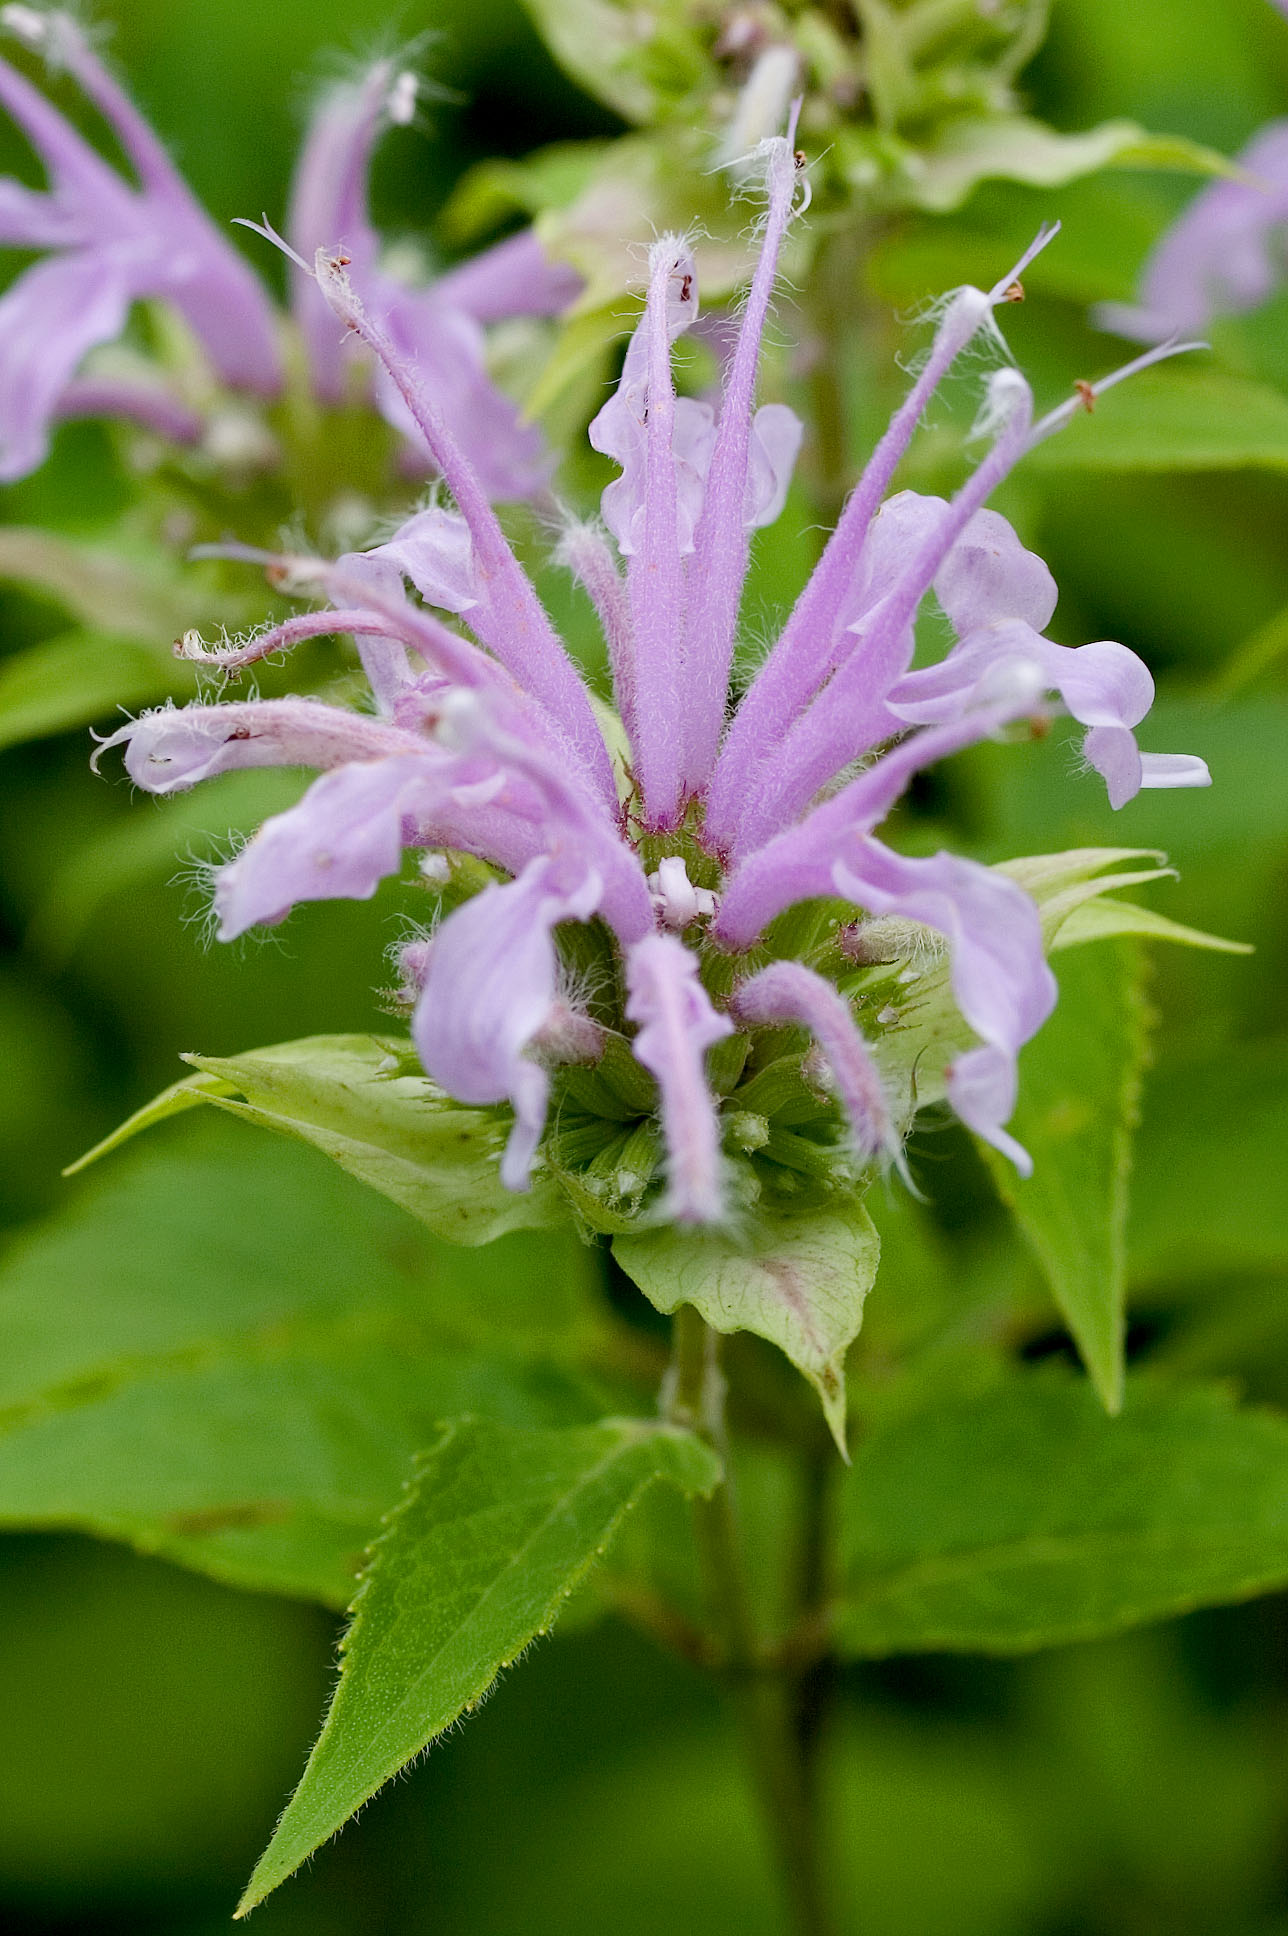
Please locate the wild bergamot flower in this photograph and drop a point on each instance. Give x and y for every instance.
(682, 835)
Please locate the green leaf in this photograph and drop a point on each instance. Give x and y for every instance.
(1101, 920)
(496, 1529)
(1017, 148)
(1209, 1196)
(591, 200)
(914, 1053)
(1064, 884)
(1176, 420)
(1079, 1092)
(231, 1362)
(581, 347)
(174, 1101)
(1026, 1518)
(350, 1096)
(77, 678)
(1259, 653)
(639, 60)
(128, 587)
(798, 1280)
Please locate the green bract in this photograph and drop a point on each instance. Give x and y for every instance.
(800, 1254)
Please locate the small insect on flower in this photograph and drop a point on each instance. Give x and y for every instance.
(735, 1022)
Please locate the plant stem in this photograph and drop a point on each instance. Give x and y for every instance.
(765, 1706)
(769, 1697)
(816, 1679)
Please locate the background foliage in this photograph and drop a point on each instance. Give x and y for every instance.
(152, 1720)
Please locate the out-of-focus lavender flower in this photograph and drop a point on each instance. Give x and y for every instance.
(111, 242)
(1224, 255)
(439, 325)
(687, 846)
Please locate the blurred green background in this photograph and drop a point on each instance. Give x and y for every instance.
(151, 1722)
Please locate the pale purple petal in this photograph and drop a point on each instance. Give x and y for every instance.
(434, 549)
(349, 830)
(1104, 685)
(58, 35)
(150, 405)
(1113, 751)
(490, 986)
(328, 210)
(677, 1025)
(848, 716)
(1173, 770)
(153, 241)
(788, 993)
(656, 443)
(225, 306)
(30, 219)
(776, 436)
(513, 278)
(198, 268)
(983, 1086)
(798, 864)
(806, 653)
(986, 666)
(1001, 981)
(434, 327)
(988, 576)
(803, 655)
(54, 314)
(742, 489)
(573, 818)
(176, 746)
(342, 839)
(1223, 256)
(620, 430)
(447, 349)
(523, 637)
(80, 179)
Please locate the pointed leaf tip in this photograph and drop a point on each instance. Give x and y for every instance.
(1079, 1092)
(497, 1527)
(799, 1280)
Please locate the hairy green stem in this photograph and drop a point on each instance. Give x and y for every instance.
(772, 1700)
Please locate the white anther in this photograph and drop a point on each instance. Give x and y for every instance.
(1006, 394)
(674, 896)
(26, 24)
(460, 719)
(401, 105)
(235, 440)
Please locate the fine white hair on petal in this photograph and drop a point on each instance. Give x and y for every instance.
(490, 984)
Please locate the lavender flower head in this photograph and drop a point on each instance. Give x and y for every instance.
(679, 905)
(110, 243)
(1223, 256)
